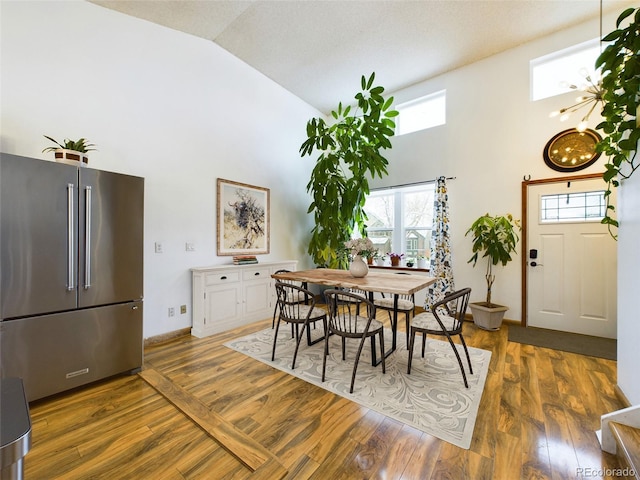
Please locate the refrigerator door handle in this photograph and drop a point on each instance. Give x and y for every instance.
(87, 239)
(70, 215)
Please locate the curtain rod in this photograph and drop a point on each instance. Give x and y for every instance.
(424, 182)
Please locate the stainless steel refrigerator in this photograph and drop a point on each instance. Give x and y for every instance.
(71, 274)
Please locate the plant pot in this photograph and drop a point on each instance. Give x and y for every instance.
(380, 262)
(395, 262)
(71, 157)
(487, 318)
(423, 263)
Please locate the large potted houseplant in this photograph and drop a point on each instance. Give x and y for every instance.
(620, 70)
(71, 151)
(350, 153)
(494, 238)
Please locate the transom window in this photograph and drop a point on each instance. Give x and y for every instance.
(572, 207)
(553, 74)
(400, 218)
(422, 113)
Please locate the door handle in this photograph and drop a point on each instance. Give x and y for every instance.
(70, 270)
(536, 264)
(87, 238)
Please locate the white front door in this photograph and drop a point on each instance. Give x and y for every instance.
(571, 264)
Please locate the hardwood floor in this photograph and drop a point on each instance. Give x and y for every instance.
(537, 419)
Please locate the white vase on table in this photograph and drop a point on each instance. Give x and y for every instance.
(358, 267)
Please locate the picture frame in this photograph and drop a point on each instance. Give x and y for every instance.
(243, 218)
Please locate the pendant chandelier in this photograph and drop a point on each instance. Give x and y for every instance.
(592, 97)
(592, 94)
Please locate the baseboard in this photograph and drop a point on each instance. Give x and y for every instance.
(166, 337)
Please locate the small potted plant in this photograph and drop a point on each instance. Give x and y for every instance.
(380, 259)
(395, 258)
(495, 238)
(70, 151)
(423, 262)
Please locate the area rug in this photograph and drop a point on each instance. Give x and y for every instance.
(432, 398)
(564, 341)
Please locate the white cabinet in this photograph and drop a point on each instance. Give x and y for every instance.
(227, 296)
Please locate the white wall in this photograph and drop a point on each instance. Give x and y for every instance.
(175, 109)
(628, 268)
(182, 112)
(494, 136)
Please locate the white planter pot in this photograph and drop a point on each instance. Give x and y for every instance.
(487, 318)
(71, 157)
(359, 267)
(423, 263)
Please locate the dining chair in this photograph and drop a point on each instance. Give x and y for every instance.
(445, 319)
(302, 297)
(350, 300)
(351, 323)
(406, 304)
(296, 313)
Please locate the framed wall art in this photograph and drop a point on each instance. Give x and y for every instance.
(243, 218)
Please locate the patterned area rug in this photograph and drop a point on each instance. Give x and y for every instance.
(432, 399)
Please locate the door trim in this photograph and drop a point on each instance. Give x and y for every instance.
(523, 240)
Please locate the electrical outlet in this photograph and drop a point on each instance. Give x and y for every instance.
(190, 247)
(159, 248)
(183, 309)
(172, 311)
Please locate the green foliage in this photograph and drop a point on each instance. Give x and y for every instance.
(495, 238)
(620, 64)
(78, 145)
(350, 154)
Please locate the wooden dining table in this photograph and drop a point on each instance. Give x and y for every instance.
(374, 282)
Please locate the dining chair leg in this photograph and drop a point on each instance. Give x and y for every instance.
(324, 357)
(424, 342)
(344, 348)
(411, 342)
(317, 340)
(275, 311)
(455, 350)
(298, 340)
(384, 367)
(466, 351)
(275, 339)
(355, 365)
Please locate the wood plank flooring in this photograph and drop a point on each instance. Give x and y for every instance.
(537, 419)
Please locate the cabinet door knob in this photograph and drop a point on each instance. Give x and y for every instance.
(257, 274)
(224, 277)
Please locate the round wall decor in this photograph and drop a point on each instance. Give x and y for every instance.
(571, 150)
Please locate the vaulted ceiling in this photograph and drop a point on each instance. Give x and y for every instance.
(318, 49)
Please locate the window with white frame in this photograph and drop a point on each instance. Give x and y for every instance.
(422, 113)
(552, 74)
(400, 219)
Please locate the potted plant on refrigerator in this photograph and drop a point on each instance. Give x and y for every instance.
(495, 238)
(350, 153)
(71, 151)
